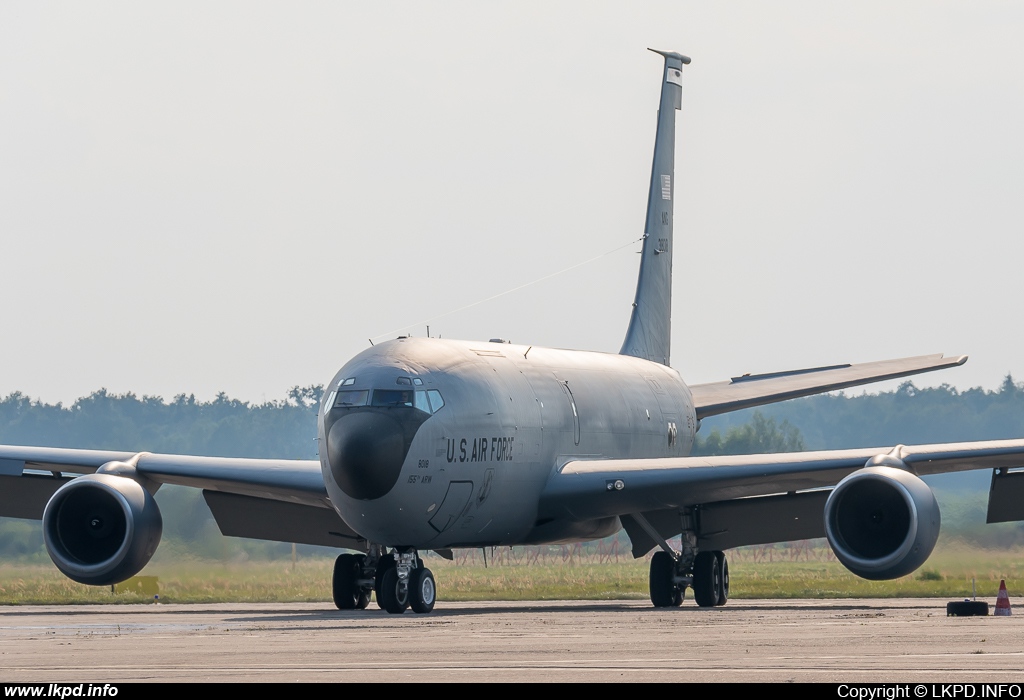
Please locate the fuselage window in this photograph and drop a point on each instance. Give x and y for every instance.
(392, 397)
(351, 398)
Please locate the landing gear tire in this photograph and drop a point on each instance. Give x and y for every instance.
(707, 579)
(664, 593)
(723, 567)
(386, 562)
(393, 595)
(347, 594)
(966, 608)
(422, 591)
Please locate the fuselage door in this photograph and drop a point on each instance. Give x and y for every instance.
(453, 505)
(575, 414)
(659, 393)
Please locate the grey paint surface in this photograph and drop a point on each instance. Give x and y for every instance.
(528, 440)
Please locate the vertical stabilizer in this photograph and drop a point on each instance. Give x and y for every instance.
(650, 325)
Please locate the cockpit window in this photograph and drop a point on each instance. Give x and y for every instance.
(422, 400)
(351, 398)
(422, 403)
(392, 397)
(347, 382)
(429, 401)
(404, 380)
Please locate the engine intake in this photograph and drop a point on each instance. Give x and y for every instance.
(882, 522)
(101, 529)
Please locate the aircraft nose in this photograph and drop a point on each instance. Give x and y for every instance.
(366, 452)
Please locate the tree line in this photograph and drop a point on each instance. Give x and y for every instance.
(286, 429)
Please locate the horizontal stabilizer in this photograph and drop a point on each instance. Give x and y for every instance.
(760, 389)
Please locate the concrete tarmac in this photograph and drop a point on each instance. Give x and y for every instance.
(864, 641)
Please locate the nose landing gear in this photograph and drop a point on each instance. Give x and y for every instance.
(422, 591)
(399, 579)
(393, 595)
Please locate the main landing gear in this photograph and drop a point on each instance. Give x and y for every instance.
(673, 572)
(708, 575)
(398, 579)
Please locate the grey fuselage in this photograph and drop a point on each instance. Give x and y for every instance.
(403, 470)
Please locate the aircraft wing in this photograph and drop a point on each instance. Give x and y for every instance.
(588, 489)
(296, 481)
(273, 499)
(759, 389)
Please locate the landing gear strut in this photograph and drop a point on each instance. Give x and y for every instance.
(399, 579)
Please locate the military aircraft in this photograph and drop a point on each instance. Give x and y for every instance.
(430, 445)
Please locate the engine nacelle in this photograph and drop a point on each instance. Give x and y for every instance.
(101, 529)
(882, 522)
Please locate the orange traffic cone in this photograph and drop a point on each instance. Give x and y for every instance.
(1002, 600)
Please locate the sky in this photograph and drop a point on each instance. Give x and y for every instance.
(236, 196)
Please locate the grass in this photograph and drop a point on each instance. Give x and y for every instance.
(947, 574)
(183, 582)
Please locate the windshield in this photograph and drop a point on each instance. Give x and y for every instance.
(392, 397)
(351, 398)
(428, 401)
